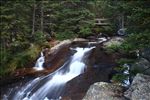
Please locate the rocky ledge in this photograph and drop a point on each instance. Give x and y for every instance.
(104, 91)
(139, 90)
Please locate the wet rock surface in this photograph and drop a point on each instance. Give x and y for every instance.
(100, 68)
(104, 91)
(99, 56)
(140, 88)
(76, 88)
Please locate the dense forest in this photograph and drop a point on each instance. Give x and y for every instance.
(27, 26)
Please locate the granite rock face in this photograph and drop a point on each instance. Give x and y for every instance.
(139, 89)
(104, 91)
(145, 53)
(59, 45)
(141, 66)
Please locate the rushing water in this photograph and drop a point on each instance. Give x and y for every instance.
(39, 63)
(51, 87)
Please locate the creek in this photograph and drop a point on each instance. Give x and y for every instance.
(71, 80)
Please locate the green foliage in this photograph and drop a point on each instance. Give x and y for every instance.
(121, 62)
(39, 38)
(119, 78)
(19, 46)
(65, 35)
(113, 48)
(98, 30)
(68, 19)
(136, 13)
(108, 30)
(126, 47)
(136, 41)
(15, 21)
(10, 62)
(75, 19)
(85, 31)
(46, 45)
(125, 60)
(132, 42)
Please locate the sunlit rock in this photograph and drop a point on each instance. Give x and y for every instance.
(113, 41)
(140, 88)
(59, 45)
(80, 40)
(104, 91)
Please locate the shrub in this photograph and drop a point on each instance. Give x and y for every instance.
(113, 48)
(136, 41)
(125, 60)
(119, 78)
(132, 42)
(19, 60)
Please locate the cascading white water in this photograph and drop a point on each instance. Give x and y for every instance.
(53, 86)
(126, 82)
(39, 63)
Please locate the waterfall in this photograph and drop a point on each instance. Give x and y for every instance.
(51, 87)
(39, 63)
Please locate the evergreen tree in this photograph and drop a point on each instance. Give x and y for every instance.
(70, 18)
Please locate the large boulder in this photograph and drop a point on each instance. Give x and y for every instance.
(60, 45)
(104, 91)
(145, 53)
(140, 88)
(141, 66)
(57, 55)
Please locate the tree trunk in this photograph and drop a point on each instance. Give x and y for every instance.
(122, 22)
(33, 19)
(42, 14)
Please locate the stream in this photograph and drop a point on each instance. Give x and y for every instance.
(87, 65)
(50, 87)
